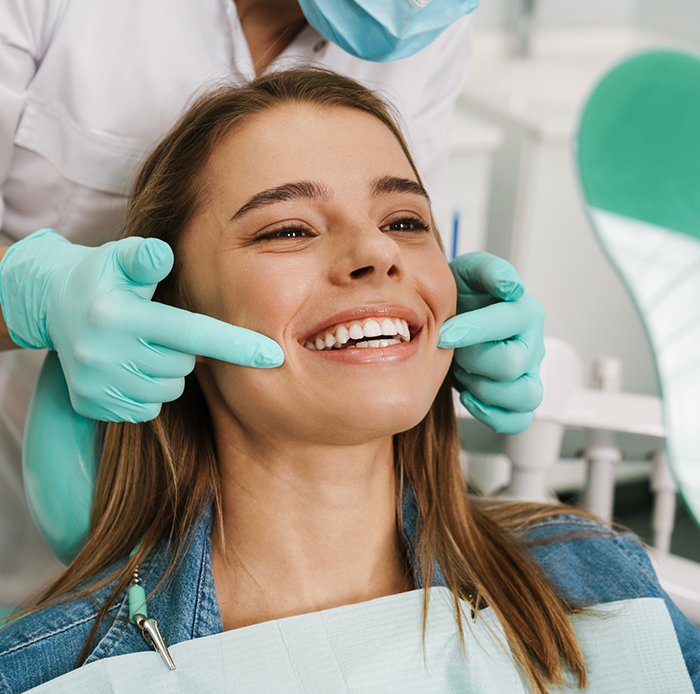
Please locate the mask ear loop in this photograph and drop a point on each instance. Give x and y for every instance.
(138, 615)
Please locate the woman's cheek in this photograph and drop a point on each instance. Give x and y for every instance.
(440, 289)
(265, 296)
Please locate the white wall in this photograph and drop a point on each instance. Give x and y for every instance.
(676, 18)
(498, 14)
(590, 12)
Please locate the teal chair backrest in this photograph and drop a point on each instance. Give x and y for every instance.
(638, 156)
(59, 463)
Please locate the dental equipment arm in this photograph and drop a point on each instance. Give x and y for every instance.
(123, 355)
(498, 337)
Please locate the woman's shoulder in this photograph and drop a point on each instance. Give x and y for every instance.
(565, 521)
(587, 560)
(44, 644)
(581, 554)
(591, 563)
(48, 643)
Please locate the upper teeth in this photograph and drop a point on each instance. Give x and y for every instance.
(371, 327)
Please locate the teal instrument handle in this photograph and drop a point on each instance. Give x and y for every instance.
(137, 603)
(59, 464)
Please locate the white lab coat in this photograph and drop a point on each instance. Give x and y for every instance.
(87, 87)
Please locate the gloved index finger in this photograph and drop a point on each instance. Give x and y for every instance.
(493, 323)
(195, 333)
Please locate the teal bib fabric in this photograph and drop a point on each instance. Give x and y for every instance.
(377, 646)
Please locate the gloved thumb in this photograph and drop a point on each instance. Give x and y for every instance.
(482, 272)
(143, 261)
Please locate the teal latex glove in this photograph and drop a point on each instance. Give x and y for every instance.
(499, 343)
(123, 355)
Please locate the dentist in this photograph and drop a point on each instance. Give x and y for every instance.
(86, 88)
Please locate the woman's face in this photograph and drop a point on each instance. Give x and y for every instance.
(314, 231)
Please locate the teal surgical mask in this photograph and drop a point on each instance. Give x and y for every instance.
(383, 30)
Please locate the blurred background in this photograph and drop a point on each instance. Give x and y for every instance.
(513, 191)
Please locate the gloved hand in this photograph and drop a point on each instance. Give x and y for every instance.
(499, 341)
(123, 355)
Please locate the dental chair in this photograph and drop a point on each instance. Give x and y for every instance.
(638, 155)
(59, 458)
(58, 466)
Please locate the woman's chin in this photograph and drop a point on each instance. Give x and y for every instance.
(368, 423)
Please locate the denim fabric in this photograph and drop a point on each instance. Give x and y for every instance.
(587, 563)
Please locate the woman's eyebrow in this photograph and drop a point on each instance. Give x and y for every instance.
(393, 184)
(288, 191)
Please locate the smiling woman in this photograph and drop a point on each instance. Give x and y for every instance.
(294, 209)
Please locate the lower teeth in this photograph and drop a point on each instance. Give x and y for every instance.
(360, 345)
(377, 343)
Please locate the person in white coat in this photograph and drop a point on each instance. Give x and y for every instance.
(86, 88)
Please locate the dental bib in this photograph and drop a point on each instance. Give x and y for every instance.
(377, 646)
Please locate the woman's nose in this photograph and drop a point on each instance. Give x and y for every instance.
(368, 254)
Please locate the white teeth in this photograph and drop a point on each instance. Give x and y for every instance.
(388, 327)
(379, 327)
(355, 331)
(341, 335)
(372, 328)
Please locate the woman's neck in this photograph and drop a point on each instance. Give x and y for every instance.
(269, 26)
(305, 529)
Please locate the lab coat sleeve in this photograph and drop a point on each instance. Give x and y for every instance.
(25, 33)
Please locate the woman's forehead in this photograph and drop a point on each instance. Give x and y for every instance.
(339, 146)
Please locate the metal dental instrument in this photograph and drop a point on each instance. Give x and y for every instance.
(138, 615)
(151, 632)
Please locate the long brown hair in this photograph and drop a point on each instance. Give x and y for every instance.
(171, 460)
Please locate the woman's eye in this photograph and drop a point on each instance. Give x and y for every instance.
(407, 224)
(294, 232)
(290, 233)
